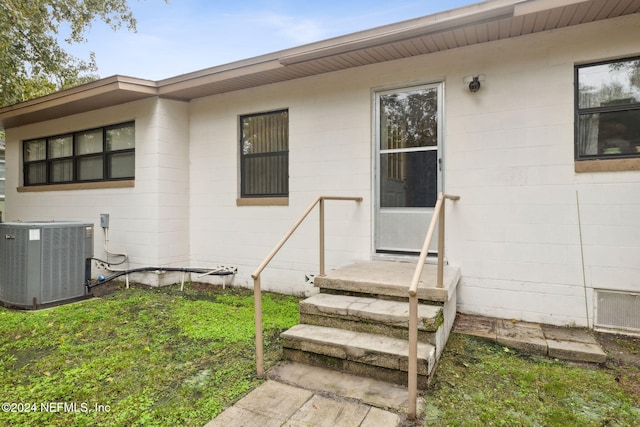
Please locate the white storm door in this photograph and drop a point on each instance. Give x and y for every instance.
(408, 159)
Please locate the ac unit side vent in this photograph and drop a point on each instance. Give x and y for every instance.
(618, 310)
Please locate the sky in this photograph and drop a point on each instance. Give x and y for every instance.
(181, 36)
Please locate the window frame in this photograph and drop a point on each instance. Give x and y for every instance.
(48, 161)
(246, 198)
(593, 163)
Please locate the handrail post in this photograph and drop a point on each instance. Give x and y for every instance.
(321, 220)
(439, 282)
(257, 301)
(438, 215)
(413, 356)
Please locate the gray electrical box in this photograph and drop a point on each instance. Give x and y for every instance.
(44, 262)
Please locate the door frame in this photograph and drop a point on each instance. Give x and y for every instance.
(375, 161)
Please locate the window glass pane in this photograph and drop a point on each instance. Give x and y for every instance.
(265, 133)
(266, 175)
(609, 134)
(62, 171)
(408, 179)
(90, 168)
(409, 119)
(121, 165)
(2, 188)
(35, 150)
(89, 142)
(605, 85)
(36, 174)
(121, 137)
(2, 168)
(60, 146)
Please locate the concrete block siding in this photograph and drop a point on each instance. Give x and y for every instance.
(508, 152)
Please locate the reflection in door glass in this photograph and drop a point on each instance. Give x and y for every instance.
(409, 119)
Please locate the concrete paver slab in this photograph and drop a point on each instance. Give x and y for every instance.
(478, 326)
(377, 418)
(523, 336)
(320, 411)
(239, 417)
(576, 351)
(559, 333)
(274, 400)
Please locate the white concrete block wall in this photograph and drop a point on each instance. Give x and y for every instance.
(148, 221)
(515, 232)
(329, 154)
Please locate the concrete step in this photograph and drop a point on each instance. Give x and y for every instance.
(381, 394)
(358, 353)
(389, 279)
(370, 315)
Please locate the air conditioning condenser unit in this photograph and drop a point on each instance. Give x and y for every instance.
(44, 263)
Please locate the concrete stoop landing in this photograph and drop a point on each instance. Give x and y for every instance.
(358, 324)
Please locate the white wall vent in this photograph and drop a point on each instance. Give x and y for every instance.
(618, 310)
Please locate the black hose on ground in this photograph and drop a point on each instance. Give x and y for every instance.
(213, 272)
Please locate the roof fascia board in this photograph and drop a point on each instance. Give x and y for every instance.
(429, 25)
(535, 6)
(218, 74)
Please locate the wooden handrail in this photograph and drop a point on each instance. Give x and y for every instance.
(413, 296)
(257, 293)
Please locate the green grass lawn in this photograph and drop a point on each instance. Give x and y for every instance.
(161, 357)
(144, 356)
(480, 383)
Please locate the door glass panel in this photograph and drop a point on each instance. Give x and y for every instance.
(408, 179)
(409, 119)
(408, 147)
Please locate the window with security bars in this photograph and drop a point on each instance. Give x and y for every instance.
(264, 154)
(102, 154)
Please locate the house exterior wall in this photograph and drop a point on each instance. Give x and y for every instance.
(516, 232)
(149, 221)
(508, 152)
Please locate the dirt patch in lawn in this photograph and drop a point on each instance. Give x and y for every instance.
(623, 358)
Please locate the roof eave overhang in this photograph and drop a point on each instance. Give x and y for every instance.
(101, 93)
(494, 19)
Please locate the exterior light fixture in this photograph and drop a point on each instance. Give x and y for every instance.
(474, 82)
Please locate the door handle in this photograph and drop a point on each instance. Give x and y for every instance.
(440, 164)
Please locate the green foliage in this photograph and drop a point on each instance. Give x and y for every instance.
(156, 357)
(32, 62)
(479, 383)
